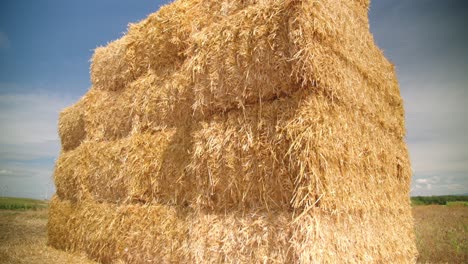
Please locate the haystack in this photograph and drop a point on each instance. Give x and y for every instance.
(259, 131)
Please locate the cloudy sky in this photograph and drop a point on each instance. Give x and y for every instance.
(45, 46)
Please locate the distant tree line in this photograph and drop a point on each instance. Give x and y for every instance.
(442, 200)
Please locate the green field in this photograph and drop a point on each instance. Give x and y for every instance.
(11, 203)
(440, 200)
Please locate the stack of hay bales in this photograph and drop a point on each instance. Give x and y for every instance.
(257, 131)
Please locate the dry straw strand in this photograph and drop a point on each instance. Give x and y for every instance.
(258, 131)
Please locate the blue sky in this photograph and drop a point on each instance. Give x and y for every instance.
(45, 47)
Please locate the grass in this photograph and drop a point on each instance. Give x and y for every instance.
(11, 203)
(441, 233)
(441, 200)
(458, 203)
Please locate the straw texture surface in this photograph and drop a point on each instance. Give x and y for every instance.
(259, 131)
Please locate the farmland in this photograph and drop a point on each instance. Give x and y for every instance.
(23, 234)
(11, 203)
(441, 232)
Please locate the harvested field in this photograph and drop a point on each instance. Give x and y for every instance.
(23, 239)
(441, 233)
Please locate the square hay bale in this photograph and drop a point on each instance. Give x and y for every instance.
(149, 104)
(107, 233)
(292, 152)
(240, 237)
(109, 69)
(136, 233)
(157, 43)
(232, 60)
(244, 155)
(260, 131)
(141, 168)
(71, 127)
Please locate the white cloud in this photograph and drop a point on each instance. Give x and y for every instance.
(439, 185)
(425, 40)
(29, 142)
(435, 118)
(422, 181)
(5, 172)
(30, 118)
(27, 180)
